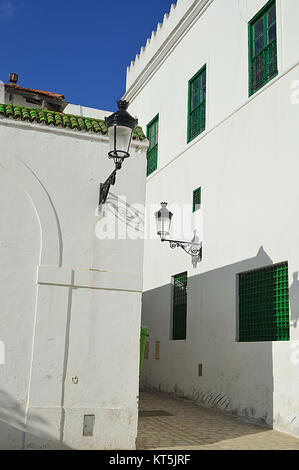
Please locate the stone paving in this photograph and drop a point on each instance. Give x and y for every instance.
(193, 427)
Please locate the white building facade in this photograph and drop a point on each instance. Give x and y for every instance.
(216, 87)
(70, 297)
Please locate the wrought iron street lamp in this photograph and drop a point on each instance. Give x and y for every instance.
(121, 126)
(163, 221)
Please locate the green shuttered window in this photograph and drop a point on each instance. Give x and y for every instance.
(179, 306)
(197, 104)
(196, 199)
(262, 48)
(152, 131)
(264, 304)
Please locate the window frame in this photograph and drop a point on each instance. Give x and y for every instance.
(204, 102)
(155, 147)
(251, 53)
(269, 302)
(194, 209)
(174, 336)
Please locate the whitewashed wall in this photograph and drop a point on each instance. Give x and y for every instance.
(70, 303)
(247, 165)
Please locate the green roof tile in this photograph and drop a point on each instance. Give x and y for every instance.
(33, 115)
(17, 112)
(8, 110)
(24, 113)
(52, 118)
(58, 120)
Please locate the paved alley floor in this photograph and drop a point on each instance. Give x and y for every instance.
(166, 422)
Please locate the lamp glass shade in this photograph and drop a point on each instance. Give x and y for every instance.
(120, 127)
(119, 141)
(163, 221)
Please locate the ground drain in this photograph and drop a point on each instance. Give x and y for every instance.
(154, 413)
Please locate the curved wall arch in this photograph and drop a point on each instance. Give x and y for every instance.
(51, 240)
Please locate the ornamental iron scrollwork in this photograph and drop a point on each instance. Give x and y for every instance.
(191, 248)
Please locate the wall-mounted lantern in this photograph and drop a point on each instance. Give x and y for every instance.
(163, 221)
(120, 126)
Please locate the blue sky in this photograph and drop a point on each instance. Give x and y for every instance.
(79, 48)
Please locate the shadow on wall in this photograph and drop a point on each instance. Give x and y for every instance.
(236, 376)
(128, 214)
(14, 434)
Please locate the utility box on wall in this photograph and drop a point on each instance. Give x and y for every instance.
(88, 425)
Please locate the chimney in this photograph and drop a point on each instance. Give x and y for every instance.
(13, 78)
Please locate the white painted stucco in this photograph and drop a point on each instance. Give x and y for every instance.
(246, 162)
(70, 303)
(79, 110)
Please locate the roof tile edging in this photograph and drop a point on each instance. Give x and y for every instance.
(57, 119)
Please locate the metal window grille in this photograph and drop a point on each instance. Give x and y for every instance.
(197, 104)
(196, 199)
(262, 48)
(152, 152)
(179, 306)
(264, 304)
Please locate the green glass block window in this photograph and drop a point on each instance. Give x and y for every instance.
(197, 104)
(196, 199)
(262, 48)
(152, 152)
(264, 304)
(179, 317)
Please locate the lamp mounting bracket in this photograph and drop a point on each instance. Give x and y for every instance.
(105, 187)
(191, 248)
